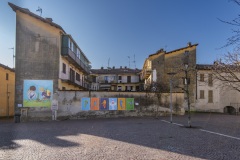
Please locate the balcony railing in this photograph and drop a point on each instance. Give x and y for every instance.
(81, 83)
(67, 52)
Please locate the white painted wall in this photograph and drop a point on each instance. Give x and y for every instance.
(222, 95)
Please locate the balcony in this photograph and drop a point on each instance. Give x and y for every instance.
(70, 80)
(72, 57)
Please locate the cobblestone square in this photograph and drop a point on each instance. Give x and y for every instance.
(213, 136)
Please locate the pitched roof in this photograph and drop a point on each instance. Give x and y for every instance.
(204, 66)
(6, 67)
(26, 11)
(115, 71)
(183, 48)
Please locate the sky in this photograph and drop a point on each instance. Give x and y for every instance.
(125, 32)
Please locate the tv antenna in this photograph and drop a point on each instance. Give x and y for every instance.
(134, 61)
(129, 61)
(39, 10)
(108, 62)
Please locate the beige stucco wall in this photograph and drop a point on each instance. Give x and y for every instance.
(222, 95)
(7, 103)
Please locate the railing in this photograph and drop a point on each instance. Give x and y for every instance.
(67, 52)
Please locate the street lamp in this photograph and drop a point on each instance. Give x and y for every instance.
(171, 76)
(187, 91)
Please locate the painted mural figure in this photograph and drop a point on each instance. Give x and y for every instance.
(112, 104)
(104, 103)
(31, 93)
(85, 103)
(38, 93)
(121, 103)
(46, 94)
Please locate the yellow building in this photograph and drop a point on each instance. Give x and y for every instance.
(7, 91)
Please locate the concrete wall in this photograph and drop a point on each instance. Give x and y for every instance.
(37, 52)
(146, 104)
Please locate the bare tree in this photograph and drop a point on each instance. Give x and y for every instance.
(235, 39)
(228, 71)
(227, 68)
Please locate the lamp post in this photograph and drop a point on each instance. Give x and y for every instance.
(171, 108)
(187, 93)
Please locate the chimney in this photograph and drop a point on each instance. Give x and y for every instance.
(189, 44)
(120, 67)
(49, 19)
(113, 67)
(125, 67)
(101, 67)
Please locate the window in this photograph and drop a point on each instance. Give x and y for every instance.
(106, 79)
(129, 79)
(6, 76)
(137, 88)
(94, 79)
(64, 68)
(201, 77)
(63, 88)
(70, 45)
(119, 88)
(201, 94)
(72, 75)
(210, 81)
(210, 96)
(77, 77)
(119, 77)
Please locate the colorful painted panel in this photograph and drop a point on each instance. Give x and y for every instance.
(121, 104)
(37, 93)
(129, 103)
(113, 104)
(103, 103)
(95, 104)
(85, 104)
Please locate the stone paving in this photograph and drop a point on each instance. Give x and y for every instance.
(213, 136)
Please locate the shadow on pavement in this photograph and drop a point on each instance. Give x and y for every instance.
(147, 132)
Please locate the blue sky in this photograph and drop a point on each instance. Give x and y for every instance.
(110, 31)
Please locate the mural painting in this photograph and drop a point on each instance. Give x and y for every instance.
(37, 93)
(112, 103)
(121, 104)
(85, 104)
(103, 103)
(129, 103)
(94, 104)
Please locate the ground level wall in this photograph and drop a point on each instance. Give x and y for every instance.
(145, 104)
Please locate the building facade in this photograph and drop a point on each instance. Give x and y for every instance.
(115, 79)
(213, 95)
(177, 65)
(7, 91)
(44, 51)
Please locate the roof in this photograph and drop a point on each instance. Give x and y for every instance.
(183, 48)
(6, 67)
(204, 66)
(26, 11)
(115, 71)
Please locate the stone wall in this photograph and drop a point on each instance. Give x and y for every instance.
(146, 104)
